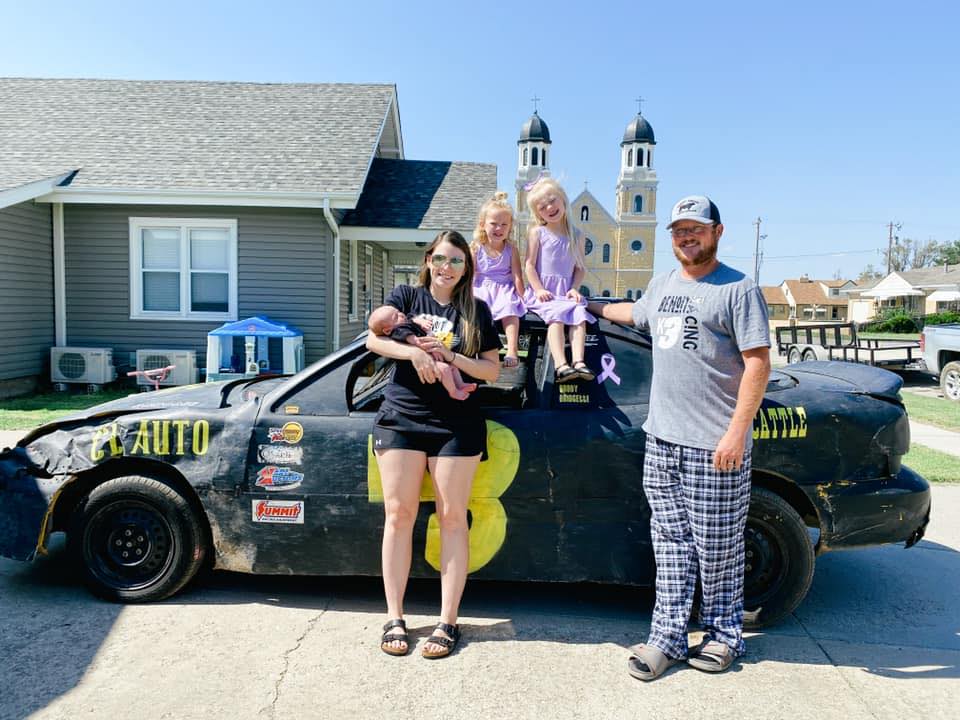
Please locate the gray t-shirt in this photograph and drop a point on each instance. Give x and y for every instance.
(699, 330)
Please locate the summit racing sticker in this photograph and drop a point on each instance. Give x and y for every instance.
(285, 512)
(291, 433)
(273, 478)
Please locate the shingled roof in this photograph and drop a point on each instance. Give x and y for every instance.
(809, 292)
(423, 194)
(773, 295)
(209, 136)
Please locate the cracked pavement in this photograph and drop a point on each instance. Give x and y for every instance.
(878, 637)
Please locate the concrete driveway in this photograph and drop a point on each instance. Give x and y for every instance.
(877, 637)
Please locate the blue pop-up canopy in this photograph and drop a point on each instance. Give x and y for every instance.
(258, 327)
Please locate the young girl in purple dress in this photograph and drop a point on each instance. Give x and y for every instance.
(555, 267)
(498, 280)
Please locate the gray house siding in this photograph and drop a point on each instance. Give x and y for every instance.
(282, 261)
(26, 290)
(368, 298)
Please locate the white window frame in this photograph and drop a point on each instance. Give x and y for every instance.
(353, 276)
(137, 225)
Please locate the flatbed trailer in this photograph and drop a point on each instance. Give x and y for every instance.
(841, 341)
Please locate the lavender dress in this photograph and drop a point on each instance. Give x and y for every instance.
(555, 266)
(493, 283)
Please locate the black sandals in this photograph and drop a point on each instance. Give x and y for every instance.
(389, 637)
(449, 644)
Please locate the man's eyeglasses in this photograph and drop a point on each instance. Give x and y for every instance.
(695, 231)
(439, 261)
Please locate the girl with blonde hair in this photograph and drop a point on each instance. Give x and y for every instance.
(498, 279)
(555, 267)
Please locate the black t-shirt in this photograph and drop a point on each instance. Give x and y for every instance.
(406, 393)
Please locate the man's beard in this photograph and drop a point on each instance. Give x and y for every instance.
(705, 256)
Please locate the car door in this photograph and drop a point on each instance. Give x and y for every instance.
(595, 448)
(306, 479)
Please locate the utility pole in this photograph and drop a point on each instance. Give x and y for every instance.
(891, 227)
(756, 254)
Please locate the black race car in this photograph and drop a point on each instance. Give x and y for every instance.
(276, 475)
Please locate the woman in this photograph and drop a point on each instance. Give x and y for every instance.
(420, 426)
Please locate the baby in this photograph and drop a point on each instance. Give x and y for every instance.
(394, 324)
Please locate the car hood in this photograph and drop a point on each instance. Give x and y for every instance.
(848, 377)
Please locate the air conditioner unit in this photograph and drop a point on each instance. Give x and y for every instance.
(88, 366)
(185, 372)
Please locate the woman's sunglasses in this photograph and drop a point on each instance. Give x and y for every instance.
(439, 261)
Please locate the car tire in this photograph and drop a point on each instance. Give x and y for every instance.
(950, 381)
(779, 559)
(809, 354)
(136, 539)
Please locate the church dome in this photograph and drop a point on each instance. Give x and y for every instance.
(534, 129)
(638, 130)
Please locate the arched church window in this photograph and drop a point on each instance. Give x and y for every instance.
(629, 294)
(534, 156)
(630, 157)
(587, 246)
(606, 252)
(585, 291)
(636, 246)
(639, 157)
(584, 214)
(524, 157)
(543, 157)
(606, 293)
(638, 203)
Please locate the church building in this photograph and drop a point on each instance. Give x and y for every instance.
(619, 247)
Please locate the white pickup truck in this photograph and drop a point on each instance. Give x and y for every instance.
(940, 345)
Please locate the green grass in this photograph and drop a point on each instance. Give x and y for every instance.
(936, 411)
(935, 466)
(29, 412)
(888, 336)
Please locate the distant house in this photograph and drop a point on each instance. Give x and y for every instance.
(917, 292)
(144, 214)
(778, 308)
(817, 300)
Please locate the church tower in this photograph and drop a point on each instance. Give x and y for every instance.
(533, 149)
(636, 208)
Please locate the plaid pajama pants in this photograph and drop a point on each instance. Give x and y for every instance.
(698, 514)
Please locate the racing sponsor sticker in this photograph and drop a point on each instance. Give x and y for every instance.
(284, 512)
(291, 433)
(273, 478)
(280, 454)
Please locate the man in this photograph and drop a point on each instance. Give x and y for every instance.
(711, 362)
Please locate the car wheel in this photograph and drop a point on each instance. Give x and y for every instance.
(809, 355)
(136, 539)
(793, 356)
(950, 381)
(779, 559)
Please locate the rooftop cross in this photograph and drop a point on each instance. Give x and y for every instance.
(535, 100)
(639, 104)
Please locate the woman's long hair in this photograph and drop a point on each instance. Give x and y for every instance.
(462, 297)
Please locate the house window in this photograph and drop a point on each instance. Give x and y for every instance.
(584, 214)
(638, 203)
(385, 277)
(606, 252)
(183, 269)
(352, 282)
(587, 246)
(534, 156)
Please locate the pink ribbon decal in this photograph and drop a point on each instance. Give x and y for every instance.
(608, 362)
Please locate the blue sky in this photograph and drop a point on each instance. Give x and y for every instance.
(825, 119)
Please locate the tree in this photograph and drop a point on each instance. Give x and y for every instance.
(869, 274)
(949, 253)
(908, 254)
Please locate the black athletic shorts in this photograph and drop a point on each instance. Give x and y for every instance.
(397, 431)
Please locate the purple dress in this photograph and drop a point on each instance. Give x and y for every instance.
(555, 266)
(493, 283)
